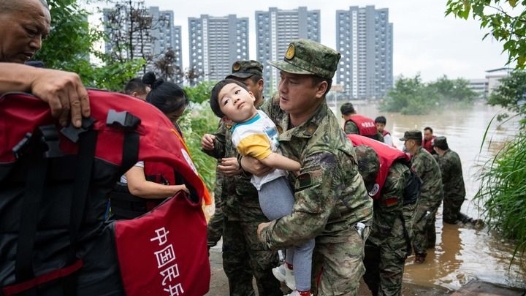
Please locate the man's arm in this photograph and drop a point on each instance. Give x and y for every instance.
(351, 128)
(316, 196)
(63, 91)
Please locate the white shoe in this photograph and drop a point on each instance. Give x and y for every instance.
(284, 274)
(295, 293)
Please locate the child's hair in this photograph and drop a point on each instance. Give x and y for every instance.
(167, 96)
(135, 85)
(380, 119)
(214, 96)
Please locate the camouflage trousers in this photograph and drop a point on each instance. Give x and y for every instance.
(451, 213)
(337, 264)
(214, 230)
(424, 232)
(245, 257)
(384, 266)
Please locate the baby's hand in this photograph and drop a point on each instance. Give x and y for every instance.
(207, 142)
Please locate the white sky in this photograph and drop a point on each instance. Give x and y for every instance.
(425, 41)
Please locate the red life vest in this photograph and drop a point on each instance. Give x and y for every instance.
(387, 156)
(428, 145)
(366, 125)
(385, 133)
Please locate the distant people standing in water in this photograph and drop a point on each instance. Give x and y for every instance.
(453, 183)
(359, 124)
(427, 141)
(380, 123)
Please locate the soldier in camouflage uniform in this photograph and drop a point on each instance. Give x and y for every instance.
(431, 194)
(453, 183)
(347, 110)
(389, 243)
(332, 204)
(244, 256)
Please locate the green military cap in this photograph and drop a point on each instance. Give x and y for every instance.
(309, 57)
(440, 142)
(246, 69)
(412, 135)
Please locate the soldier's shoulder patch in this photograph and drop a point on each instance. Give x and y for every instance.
(304, 180)
(389, 202)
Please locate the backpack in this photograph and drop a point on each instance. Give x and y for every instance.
(54, 186)
(412, 186)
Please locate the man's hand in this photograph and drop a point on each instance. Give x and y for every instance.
(64, 93)
(207, 141)
(254, 166)
(260, 228)
(229, 166)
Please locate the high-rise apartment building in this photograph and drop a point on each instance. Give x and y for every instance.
(215, 43)
(150, 42)
(364, 37)
(275, 29)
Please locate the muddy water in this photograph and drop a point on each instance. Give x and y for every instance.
(461, 253)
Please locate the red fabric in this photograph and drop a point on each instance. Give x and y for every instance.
(175, 231)
(21, 287)
(365, 125)
(387, 156)
(428, 144)
(159, 141)
(385, 133)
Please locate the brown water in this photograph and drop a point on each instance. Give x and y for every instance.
(461, 253)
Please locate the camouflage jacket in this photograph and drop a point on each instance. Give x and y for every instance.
(425, 165)
(387, 222)
(239, 197)
(330, 193)
(452, 179)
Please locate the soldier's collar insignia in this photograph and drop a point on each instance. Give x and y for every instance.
(291, 51)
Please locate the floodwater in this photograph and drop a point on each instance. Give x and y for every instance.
(461, 253)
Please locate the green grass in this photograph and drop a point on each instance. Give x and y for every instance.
(502, 193)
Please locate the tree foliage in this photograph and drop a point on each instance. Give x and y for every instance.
(411, 96)
(511, 94)
(70, 44)
(505, 19)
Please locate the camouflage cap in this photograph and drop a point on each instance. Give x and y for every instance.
(246, 69)
(368, 165)
(412, 135)
(440, 142)
(309, 57)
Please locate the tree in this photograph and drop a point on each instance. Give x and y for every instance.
(128, 26)
(511, 94)
(168, 68)
(70, 44)
(505, 19)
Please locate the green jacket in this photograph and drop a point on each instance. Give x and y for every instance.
(329, 191)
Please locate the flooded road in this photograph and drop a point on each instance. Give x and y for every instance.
(462, 253)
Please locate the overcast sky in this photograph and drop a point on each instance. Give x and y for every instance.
(425, 40)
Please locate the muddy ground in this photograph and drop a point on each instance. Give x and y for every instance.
(219, 284)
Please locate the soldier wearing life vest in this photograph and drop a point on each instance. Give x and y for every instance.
(359, 124)
(428, 139)
(390, 241)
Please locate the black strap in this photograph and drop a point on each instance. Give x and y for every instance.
(130, 151)
(35, 180)
(86, 155)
